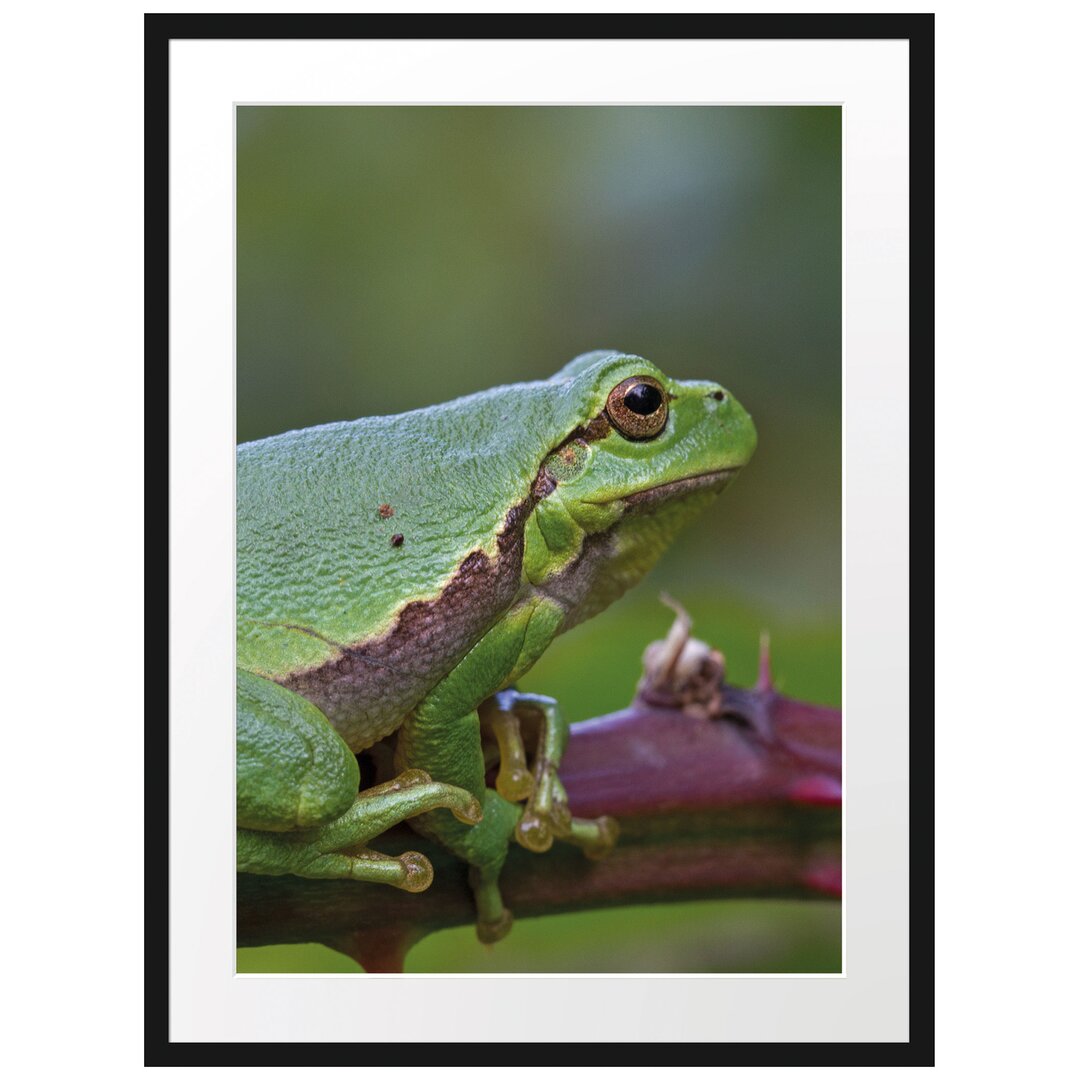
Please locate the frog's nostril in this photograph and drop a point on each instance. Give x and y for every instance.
(720, 395)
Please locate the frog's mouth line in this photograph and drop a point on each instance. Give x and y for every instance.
(718, 479)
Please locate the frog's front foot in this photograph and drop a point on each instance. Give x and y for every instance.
(546, 817)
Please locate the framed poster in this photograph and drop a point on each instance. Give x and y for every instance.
(354, 217)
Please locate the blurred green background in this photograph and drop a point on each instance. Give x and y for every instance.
(393, 257)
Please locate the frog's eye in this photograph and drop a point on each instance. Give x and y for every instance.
(638, 407)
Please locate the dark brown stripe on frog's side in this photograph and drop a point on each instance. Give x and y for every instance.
(367, 689)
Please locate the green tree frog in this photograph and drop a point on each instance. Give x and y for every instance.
(396, 575)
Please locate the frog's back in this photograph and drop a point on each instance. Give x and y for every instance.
(372, 554)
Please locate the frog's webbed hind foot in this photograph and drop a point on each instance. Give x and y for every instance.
(546, 817)
(339, 849)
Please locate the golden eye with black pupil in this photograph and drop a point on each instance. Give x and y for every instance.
(638, 407)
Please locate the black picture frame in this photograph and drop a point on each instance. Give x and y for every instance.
(918, 30)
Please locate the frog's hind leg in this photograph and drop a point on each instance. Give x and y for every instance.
(298, 809)
(340, 849)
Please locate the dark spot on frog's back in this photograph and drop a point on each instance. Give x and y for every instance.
(366, 690)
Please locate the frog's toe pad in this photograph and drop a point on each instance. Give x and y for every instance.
(595, 837)
(535, 833)
(468, 810)
(418, 873)
(539, 828)
(514, 784)
(495, 930)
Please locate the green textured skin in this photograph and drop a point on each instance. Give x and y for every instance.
(493, 564)
(312, 550)
(293, 771)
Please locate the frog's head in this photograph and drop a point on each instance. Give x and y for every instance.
(645, 442)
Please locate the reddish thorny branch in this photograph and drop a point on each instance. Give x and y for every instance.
(719, 792)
